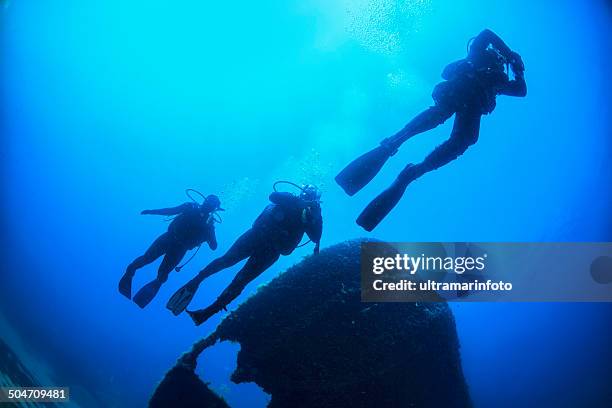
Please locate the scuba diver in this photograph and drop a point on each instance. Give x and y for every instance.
(192, 225)
(277, 231)
(469, 91)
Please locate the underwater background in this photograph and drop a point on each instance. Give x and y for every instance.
(109, 108)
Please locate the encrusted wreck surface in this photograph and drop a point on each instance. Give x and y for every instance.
(308, 340)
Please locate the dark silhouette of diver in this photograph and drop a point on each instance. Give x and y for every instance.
(192, 226)
(469, 91)
(277, 231)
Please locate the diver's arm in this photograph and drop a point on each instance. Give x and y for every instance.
(169, 211)
(212, 239)
(314, 228)
(486, 38)
(517, 86)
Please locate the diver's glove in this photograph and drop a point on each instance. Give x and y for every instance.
(145, 212)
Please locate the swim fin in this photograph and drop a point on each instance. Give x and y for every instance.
(362, 170)
(182, 297)
(146, 294)
(125, 285)
(200, 316)
(378, 209)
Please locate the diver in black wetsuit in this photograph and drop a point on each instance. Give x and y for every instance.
(469, 91)
(277, 231)
(192, 226)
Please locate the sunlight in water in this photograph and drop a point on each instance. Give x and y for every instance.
(238, 191)
(383, 26)
(308, 168)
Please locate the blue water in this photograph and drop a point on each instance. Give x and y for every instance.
(112, 107)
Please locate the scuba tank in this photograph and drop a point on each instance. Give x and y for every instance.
(458, 69)
(472, 82)
(284, 223)
(189, 226)
(192, 225)
(182, 226)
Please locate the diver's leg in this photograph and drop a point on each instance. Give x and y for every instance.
(241, 249)
(170, 261)
(464, 134)
(254, 267)
(358, 173)
(424, 121)
(157, 249)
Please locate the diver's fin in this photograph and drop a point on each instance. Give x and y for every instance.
(182, 297)
(362, 170)
(125, 285)
(146, 294)
(378, 209)
(200, 316)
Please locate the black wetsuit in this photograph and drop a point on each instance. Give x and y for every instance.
(469, 91)
(277, 231)
(189, 229)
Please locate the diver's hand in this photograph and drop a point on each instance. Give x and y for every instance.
(316, 249)
(516, 62)
(145, 212)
